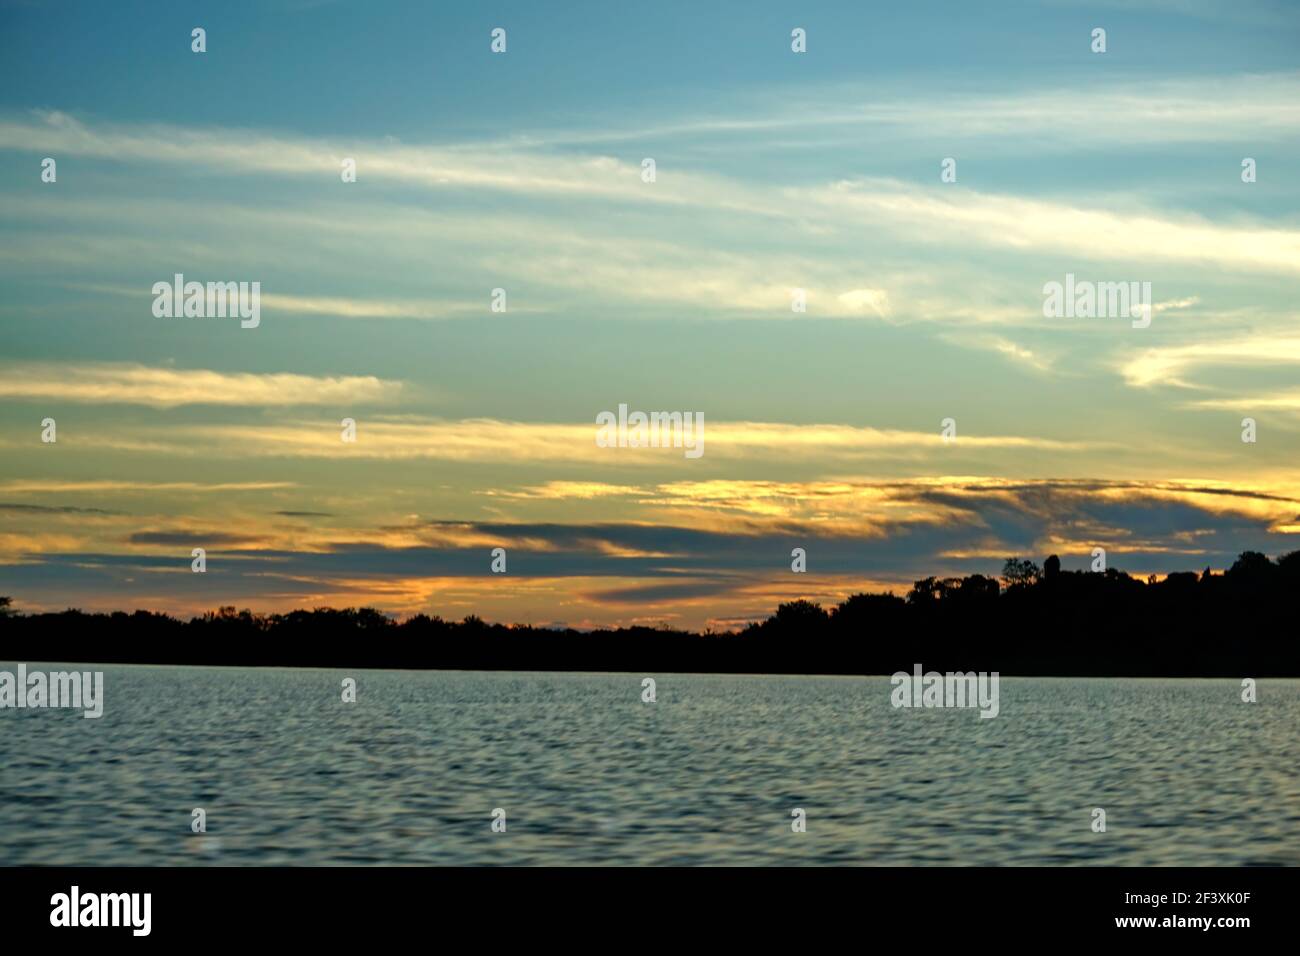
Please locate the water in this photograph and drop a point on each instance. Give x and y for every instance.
(588, 774)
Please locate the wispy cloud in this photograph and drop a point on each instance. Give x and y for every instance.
(1170, 365)
(497, 441)
(1286, 400)
(134, 384)
(956, 216)
(967, 217)
(110, 486)
(1173, 110)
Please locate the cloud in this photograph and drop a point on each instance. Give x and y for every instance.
(1173, 111)
(134, 384)
(499, 442)
(1283, 401)
(865, 300)
(953, 216)
(1168, 365)
(111, 486)
(196, 538)
(441, 168)
(568, 490)
(430, 309)
(915, 529)
(352, 308)
(54, 509)
(643, 597)
(965, 217)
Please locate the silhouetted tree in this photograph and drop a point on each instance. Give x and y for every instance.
(1058, 622)
(924, 591)
(1251, 566)
(976, 587)
(801, 613)
(860, 613)
(1289, 565)
(1019, 573)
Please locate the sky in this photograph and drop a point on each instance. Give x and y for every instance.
(776, 174)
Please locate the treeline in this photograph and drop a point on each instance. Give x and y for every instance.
(1031, 621)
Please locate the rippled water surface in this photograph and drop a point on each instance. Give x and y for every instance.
(587, 773)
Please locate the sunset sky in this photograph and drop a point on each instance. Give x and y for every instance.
(775, 171)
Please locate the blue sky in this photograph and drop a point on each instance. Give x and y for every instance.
(776, 171)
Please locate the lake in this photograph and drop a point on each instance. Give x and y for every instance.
(289, 774)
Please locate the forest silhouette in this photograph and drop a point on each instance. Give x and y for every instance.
(1031, 621)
